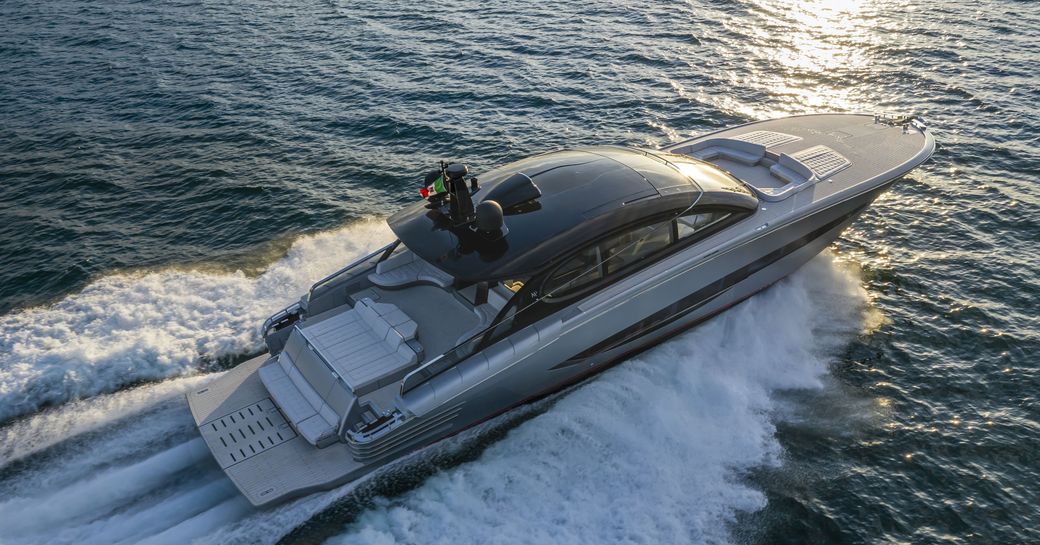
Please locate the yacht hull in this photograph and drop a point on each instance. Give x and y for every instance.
(221, 408)
(658, 313)
(252, 438)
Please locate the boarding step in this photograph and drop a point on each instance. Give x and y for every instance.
(244, 433)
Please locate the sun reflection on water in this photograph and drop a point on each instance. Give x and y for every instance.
(802, 57)
(827, 36)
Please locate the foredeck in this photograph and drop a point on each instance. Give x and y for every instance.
(837, 150)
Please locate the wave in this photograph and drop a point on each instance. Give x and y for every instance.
(146, 326)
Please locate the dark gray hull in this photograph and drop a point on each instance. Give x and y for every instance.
(700, 297)
(807, 200)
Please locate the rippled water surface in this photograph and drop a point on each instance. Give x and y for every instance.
(171, 173)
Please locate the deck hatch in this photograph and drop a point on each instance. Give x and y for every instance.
(823, 161)
(244, 433)
(768, 139)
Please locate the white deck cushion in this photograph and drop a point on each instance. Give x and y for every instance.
(317, 424)
(318, 431)
(405, 269)
(740, 151)
(367, 346)
(286, 394)
(822, 161)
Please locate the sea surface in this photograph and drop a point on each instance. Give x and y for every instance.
(173, 172)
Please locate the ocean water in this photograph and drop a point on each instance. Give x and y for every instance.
(172, 173)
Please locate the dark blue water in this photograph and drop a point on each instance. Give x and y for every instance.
(172, 173)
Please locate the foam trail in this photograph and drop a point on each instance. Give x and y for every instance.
(202, 524)
(98, 495)
(140, 475)
(653, 450)
(133, 526)
(45, 429)
(119, 442)
(153, 325)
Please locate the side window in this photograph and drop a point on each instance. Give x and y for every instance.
(605, 258)
(579, 271)
(693, 223)
(634, 246)
(596, 263)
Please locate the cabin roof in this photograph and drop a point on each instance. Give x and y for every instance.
(585, 193)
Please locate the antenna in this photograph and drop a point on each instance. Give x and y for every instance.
(460, 209)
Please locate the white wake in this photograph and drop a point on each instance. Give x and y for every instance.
(651, 451)
(138, 474)
(125, 328)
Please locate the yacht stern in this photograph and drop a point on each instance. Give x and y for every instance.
(256, 447)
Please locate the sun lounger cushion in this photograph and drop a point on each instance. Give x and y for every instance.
(368, 346)
(302, 406)
(740, 151)
(406, 269)
(325, 366)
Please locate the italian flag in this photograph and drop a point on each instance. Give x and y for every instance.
(436, 187)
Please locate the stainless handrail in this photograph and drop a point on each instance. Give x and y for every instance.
(279, 316)
(298, 306)
(328, 279)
